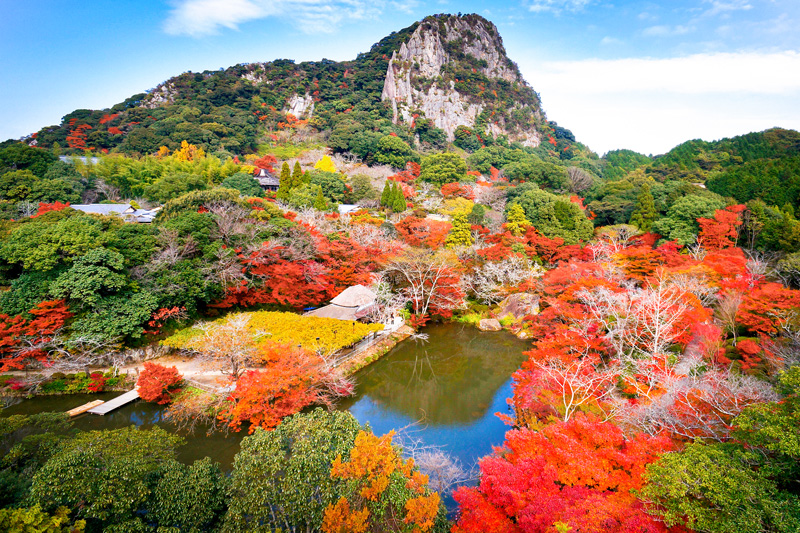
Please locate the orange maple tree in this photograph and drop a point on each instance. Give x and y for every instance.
(289, 382)
(382, 492)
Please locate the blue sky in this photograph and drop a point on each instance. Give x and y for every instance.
(624, 74)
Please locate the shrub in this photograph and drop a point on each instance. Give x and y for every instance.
(158, 383)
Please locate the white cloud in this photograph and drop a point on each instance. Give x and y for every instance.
(663, 30)
(719, 7)
(205, 17)
(607, 40)
(744, 72)
(556, 6)
(651, 105)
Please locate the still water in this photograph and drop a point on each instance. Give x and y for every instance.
(441, 392)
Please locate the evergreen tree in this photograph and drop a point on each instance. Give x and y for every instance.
(385, 195)
(644, 214)
(460, 233)
(319, 203)
(297, 173)
(305, 177)
(516, 221)
(477, 214)
(285, 184)
(399, 200)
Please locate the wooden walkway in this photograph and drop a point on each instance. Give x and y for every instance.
(85, 407)
(116, 403)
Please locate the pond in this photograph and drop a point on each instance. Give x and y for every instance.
(445, 391)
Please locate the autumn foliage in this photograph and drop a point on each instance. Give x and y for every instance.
(158, 383)
(46, 208)
(24, 342)
(383, 491)
(425, 232)
(288, 383)
(577, 475)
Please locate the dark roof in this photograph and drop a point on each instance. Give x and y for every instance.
(269, 180)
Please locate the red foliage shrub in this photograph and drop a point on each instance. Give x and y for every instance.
(158, 383)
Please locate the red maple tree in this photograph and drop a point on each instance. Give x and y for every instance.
(158, 383)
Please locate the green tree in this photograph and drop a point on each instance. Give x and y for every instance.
(286, 182)
(386, 194)
(297, 175)
(748, 484)
(398, 199)
(198, 200)
(52, 239)
(174, 185)
(282, 477)
(460, 234)
(362, 188)
(28, 441)
(681, 221)
(17, 185)
(246, 184)
(189, 498)
(319, 202)
(713, 488)
(98, 273)
(443, 168)
(644, 214)
(27, 290)
(116, 317)
(20, 156)
(555, 216)
(104, 476)
(477, 214)
(304, 196)
(332, 184)
(394, 151)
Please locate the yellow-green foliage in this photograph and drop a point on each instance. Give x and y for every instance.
(454, 206)
(469, 318)
(289, 328)
(516, 221)
(287, 151)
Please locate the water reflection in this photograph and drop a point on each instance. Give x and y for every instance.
(447, 390)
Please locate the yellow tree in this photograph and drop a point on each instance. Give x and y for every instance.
(325, 164)
(189, 152)
(516, 221)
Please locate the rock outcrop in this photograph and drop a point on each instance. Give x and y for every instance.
(415, 84)
(489, 324)
(300, 106)
(519, 306)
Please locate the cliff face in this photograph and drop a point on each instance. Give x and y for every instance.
(443, 73)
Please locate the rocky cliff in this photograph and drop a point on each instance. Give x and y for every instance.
(450, 70)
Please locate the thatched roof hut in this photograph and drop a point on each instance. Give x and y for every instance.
(355, 296)
(352, 303)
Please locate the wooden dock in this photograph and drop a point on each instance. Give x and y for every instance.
(116, 403)
(85, 407)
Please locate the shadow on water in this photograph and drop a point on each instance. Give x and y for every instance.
(448, 388)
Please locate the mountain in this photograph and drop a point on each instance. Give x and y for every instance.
(444, 79)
